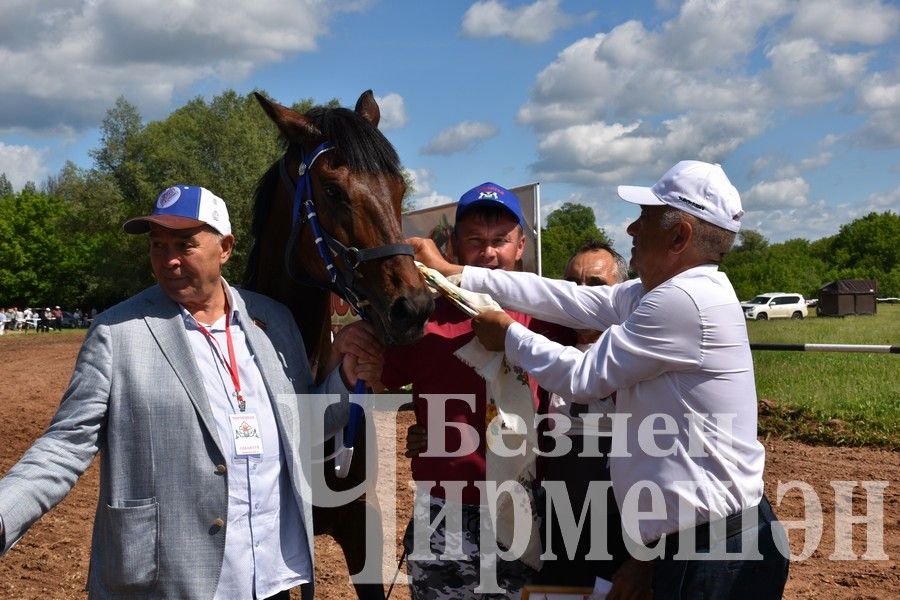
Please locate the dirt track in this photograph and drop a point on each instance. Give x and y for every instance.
(51, 560)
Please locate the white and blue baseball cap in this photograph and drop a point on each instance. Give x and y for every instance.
(184, 207)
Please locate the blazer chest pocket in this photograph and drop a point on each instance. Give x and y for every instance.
(130, 552)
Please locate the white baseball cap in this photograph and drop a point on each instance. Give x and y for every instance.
(184, 207)
(698, 188)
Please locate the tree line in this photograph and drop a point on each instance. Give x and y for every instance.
(866, 248)
(62, 242)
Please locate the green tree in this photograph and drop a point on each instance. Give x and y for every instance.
(750, 240)
(40, 262)
(6, 188)
(119, 265)
(118, 153)
(755, 267)
(568, 228)
(868, 248)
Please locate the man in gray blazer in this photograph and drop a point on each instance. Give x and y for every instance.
(187, 390)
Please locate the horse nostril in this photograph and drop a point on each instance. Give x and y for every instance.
(409, 313)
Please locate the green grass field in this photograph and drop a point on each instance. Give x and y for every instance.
(829, 397)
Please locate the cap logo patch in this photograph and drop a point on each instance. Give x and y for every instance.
(168, 197)
(488, 196)
(694, 204)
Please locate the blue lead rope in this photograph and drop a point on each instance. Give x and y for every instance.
(356, 415)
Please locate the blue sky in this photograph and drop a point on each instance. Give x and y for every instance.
(799, 100)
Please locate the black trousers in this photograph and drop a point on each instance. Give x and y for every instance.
(578, 472)
(756, 572)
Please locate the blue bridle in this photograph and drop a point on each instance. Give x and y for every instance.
(341, 280)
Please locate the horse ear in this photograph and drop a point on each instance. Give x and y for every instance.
(367, 108)
(293, 125)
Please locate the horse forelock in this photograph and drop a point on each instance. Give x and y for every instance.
(357, 143)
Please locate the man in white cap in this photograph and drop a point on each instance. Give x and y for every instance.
(686, 464)
(188, 391)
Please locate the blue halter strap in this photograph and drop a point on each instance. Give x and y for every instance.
(340, 280)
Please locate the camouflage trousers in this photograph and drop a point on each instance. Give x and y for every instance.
(452, 579)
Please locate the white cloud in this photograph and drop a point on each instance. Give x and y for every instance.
(879, 97)
(811, 221)
(879, 92)
(424, 194)
(462, 136)
(599, 152)
(779, 194)
(707, 34)
(64, 64)
(535, 22)
(846, 21)
(22, 164)
(789, 170)
(393, 111)
(803, 218)
(804, 72)
(636, 99)
(884, 201)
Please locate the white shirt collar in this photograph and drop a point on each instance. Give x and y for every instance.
(233, 310)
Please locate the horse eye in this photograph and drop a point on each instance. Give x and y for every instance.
(332, 191)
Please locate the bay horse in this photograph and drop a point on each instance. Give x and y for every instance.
(338, 183)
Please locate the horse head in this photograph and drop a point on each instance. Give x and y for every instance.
(341, 185)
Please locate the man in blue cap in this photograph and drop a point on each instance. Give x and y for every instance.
(489, 232)
(188, 392)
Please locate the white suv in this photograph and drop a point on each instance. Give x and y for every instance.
(775, 305)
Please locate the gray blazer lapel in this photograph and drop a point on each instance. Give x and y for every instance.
(270, 364)
(166, 325)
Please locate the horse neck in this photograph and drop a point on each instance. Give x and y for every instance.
(310, 306)
(311, 309)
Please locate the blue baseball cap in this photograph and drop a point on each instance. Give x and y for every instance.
(490, 194)
(184, 207)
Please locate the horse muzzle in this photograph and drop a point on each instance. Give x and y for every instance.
(406, 317)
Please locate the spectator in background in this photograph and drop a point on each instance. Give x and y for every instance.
(57, 318)
(2, 321)
(594, 264)
(46, 320)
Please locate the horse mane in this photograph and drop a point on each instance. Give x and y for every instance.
(262, 205)
(357, 143)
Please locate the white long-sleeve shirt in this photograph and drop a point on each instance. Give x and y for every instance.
(679, 359)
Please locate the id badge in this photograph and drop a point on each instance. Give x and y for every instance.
(245, 430)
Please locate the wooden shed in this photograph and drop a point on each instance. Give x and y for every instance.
(847, 297)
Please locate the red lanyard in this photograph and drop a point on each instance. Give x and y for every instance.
(231, 363)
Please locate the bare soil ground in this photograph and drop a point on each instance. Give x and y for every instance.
(51, 560)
